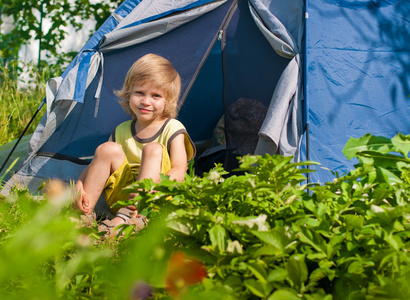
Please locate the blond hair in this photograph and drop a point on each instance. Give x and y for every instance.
(159, 72)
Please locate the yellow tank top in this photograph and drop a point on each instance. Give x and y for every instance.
(125, 135)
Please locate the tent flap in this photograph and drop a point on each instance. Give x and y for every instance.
(132, 35)
(282, 124)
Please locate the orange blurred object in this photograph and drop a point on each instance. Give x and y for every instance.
(54, 188)
(182, 272)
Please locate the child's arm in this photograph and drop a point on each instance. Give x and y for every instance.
(179, 161)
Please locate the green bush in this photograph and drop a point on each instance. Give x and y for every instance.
(265, 234)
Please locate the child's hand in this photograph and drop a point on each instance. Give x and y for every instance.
(80, 202)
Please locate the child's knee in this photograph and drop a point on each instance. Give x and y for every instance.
(109, 149)
(152, 150)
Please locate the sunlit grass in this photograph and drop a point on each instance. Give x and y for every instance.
(17, 103)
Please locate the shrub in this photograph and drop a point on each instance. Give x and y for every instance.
(264, 234)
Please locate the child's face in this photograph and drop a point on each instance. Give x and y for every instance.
(147, 102)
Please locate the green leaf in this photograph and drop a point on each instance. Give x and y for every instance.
(402, 143)
(356, 267)
(266, 250)
(389, 177)
(353, 222)
(233, 281)
(320, 273)
(394, 241)
(217, 234)
(387, 161)
(271, 238)
(258, 288)
(258, 222)
(385, 214)
(365, 143)
(182, 226)
(319, 295)
(284, 295)
(313, 239)
(297, 269)
(278, 275)
(258, 270)
(335, 244)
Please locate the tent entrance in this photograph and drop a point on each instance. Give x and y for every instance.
(232, 92)
(229, 72)
(227, 55)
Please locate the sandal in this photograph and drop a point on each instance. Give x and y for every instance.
(129, 217)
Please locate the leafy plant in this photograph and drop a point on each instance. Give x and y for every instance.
(265, 234)
(262, 234)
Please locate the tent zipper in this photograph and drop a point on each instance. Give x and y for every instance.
(219, 36)
(222, 39)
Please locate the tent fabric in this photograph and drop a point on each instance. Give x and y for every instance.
(357, 77)
(66, 138)
(338, 68)
(81, 122)
(80, 103)
(59, 89)
(149, 10)
(19, 153)
(276, 32)
(283, 125)
(246, 51)
(76, 135)
(128, 36)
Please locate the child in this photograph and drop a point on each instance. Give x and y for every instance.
(153, 142)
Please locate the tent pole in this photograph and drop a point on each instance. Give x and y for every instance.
(21, 136)
(305, 89)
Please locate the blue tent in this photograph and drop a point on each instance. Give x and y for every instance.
(357, 76)
(290, 77)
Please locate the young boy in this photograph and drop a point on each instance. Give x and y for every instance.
(153, 142)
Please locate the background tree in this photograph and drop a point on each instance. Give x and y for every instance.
(29, 14)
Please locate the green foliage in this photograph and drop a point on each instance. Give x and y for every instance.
(264, 234)
(28, 14)
(17, 106)
(45, 254)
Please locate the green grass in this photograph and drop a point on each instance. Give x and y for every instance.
(17, 105)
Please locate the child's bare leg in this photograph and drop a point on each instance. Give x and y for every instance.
(150, 168)
(108, 157)
(151, 162)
